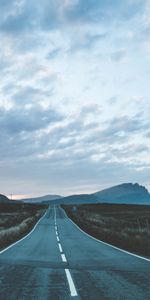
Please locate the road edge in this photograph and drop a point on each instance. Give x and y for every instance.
(107, 244)
(10, 246)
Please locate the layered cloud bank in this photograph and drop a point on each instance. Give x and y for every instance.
(74, 97)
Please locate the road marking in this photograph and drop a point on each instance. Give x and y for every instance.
(114, 247)
(72, 288)
(63, 258)
(2, 251)
(73, 291)
(55, 214)
(60, 247)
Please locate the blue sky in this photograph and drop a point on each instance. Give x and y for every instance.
(74, 95)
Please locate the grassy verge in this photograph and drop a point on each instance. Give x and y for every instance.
(125, 226)
(16, 220)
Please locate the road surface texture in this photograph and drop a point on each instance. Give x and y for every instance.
(58, 261)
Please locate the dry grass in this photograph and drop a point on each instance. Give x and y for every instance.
(16, 221)
(126, 226)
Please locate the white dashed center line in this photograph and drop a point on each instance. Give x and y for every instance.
(72, 288)
(63, 257)
(60, 247)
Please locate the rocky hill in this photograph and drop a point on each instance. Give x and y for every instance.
(3, 199)
(127, 193)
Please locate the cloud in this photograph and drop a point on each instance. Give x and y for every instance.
(16, 17)
(102, 11)
(86, 41)
(54, 53)
(63, 146)
(113, 100)
(29, 94)
(90, 109)
(49, 15)
(34, 118)
(68, 140)
(125, 124)
(53, 130)
(119, 55)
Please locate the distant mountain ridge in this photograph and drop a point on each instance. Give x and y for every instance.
(47, 198)
(126, 193)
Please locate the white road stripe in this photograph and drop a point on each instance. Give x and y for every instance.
(55, 214)
(60, 247)
(72, 288)
(24, 236)
(63, 258)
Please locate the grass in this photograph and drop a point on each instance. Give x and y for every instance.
(125, 226)
(16, 220)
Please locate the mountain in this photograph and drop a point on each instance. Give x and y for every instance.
(126, 193)
(79, 199)
(3, 199)
(47, 199)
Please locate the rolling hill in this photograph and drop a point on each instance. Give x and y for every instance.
(47, 199)
(3, 199)
(126, 193)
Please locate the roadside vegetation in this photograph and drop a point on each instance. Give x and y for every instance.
(16, 220)
(125, 226)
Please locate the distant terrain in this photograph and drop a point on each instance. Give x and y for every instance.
(47, 198)
(126, 193)
(125, 226)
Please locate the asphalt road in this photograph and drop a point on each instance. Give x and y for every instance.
(57, 261)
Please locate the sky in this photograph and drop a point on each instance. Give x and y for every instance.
(74, 95)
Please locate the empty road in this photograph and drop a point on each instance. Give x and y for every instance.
(58, 261)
